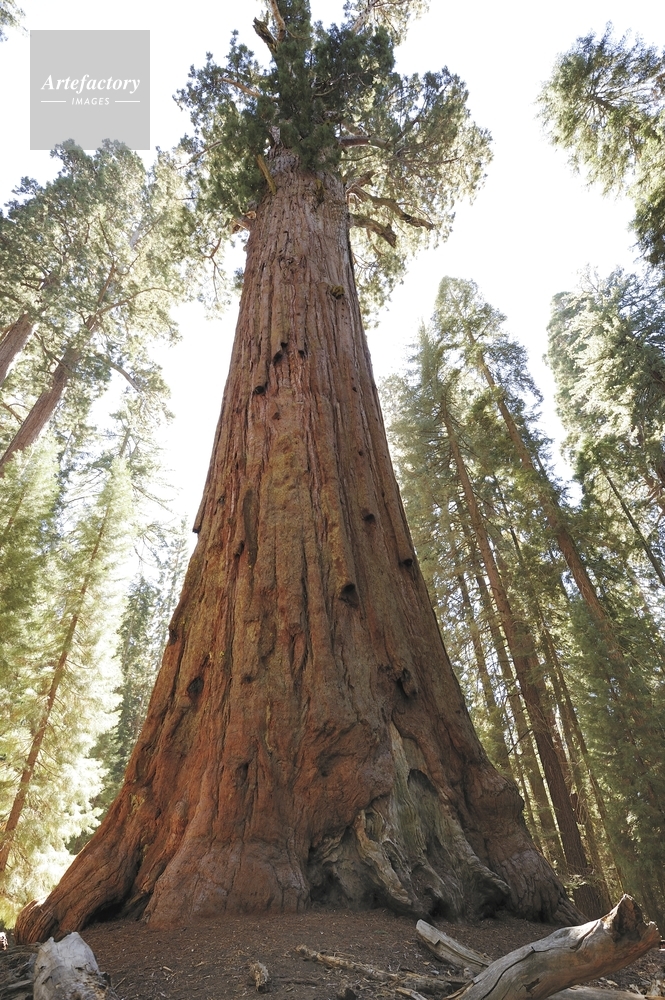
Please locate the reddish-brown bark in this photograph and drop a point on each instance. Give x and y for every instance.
(13, 342)
(43, 408)
(306, 738)
(529, 677)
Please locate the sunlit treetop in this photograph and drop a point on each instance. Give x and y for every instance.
(607, 350)
(605, 104)
(404, 146)
(10, 17)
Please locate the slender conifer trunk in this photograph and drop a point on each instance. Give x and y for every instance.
(527, 669)
(13, 342)
(551, 841)
(8, 834)
(650, 554)
(307, 738)
(553, 514)
(44, 407)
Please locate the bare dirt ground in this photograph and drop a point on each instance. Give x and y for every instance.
(210, 961)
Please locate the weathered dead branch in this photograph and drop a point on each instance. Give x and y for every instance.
(567, 957)
(551, 967)
(448, 950)
(434, 985)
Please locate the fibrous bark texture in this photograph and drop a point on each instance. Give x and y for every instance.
(13, 342)
(307, 738)
(43, 408)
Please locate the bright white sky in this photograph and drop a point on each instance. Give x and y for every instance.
(532, 228)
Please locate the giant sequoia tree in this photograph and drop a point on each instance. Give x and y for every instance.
(307, 739)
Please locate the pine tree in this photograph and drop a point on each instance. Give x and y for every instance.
(90, 266)
(52, 778)
(10, 17)
(142, 635)
(449, 425)
(441, 386)
(305, 685)
(606, 353)
(604, 103)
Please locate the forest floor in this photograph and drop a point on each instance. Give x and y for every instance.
(210, 961)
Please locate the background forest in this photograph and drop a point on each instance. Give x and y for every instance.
(549, 592)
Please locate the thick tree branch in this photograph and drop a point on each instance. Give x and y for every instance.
(392, 205)
(279, 20)
(363, 140)
(265, 34)
(357, 182)
(364, 222)
(250, 91)
(124, 374)
(263, 167)
(569, 956)
(243, 222)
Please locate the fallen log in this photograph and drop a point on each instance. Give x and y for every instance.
(67, 970)
(434, 985)
(448, 950)
(567, 957)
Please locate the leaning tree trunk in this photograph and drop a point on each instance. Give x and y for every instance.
(43, 408)
(307, 738)
(13, 342)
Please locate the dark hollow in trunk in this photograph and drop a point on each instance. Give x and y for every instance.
(307, 738)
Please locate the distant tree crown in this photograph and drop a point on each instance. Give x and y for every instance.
(605, 104)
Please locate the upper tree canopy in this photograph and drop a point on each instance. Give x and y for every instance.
(10, 17)
(605, 103)
(405, 146)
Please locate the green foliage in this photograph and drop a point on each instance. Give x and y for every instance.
(405, 146)
(612, 740)
(393, 15)
(607, 352)
(605, 104)
(96, 259)
(68, 518)
(10, 17)
(142, 636)
(59, 670)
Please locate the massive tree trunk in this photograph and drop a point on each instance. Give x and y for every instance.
(307, 738)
